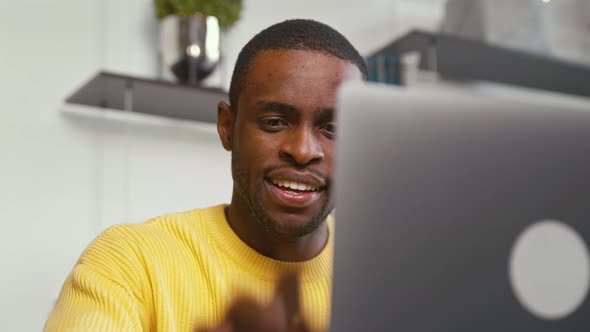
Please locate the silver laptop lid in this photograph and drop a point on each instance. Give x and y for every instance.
(451, 211)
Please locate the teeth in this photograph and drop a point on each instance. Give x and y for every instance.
(294, 185)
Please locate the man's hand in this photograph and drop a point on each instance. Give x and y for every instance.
(282, 314)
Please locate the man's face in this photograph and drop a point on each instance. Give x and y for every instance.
(282, 138)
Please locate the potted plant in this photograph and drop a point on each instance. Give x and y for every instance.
(190, 36)
(226, 11)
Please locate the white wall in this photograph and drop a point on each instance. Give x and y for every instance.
(570, 29)
(559, 28)
(47, 165)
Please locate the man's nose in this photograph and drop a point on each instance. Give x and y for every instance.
(302, 146)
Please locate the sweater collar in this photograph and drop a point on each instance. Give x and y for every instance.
(316, 268)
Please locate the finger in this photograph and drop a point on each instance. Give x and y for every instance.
(288, 290)
(223, 327)
(247, 315)
(288, 293)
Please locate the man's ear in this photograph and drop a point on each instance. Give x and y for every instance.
(225, 123)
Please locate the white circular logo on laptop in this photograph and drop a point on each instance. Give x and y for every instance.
(550, 269)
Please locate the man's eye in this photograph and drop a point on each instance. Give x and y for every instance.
(273, 124)
(330, 129)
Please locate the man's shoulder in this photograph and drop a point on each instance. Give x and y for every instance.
(169, 229)
(192, 219)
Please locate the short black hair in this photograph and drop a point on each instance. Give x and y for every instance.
(298, 34)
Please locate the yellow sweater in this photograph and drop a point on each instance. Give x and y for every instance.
(178, 272)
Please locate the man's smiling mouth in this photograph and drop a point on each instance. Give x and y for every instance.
(294, 194)
(297, 186)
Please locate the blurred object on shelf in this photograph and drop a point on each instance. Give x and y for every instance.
(384, 68)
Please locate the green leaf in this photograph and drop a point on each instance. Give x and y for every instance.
(226, 11)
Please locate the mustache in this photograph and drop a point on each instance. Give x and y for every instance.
(323, 176)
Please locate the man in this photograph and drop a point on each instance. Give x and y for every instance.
(263, 262)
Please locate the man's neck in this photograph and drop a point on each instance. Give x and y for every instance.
(275, 246)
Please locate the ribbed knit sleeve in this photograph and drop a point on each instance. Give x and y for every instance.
(102, 292)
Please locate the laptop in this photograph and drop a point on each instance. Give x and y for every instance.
(460, 212)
